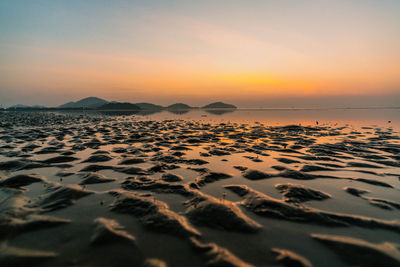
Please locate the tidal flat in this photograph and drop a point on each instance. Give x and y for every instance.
(79, 189)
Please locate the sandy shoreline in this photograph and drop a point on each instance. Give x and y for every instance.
(120, 191)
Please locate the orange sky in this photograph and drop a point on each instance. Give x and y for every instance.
(143, 51)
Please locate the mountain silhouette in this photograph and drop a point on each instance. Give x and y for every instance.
(148, 106)
(118, 105)
(219, 105)
(98, 103)
(20, 106)
(89, 102)
(179, 106)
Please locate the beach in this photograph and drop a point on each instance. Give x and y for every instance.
(200, 188)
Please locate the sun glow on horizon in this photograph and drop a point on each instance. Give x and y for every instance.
(199, 49)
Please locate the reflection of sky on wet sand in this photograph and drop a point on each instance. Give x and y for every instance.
(356, 117)
(287, 234)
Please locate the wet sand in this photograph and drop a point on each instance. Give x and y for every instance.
(95, 190)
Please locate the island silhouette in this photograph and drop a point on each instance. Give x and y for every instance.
(95, 103)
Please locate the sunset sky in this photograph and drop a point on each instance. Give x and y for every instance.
(243, 52)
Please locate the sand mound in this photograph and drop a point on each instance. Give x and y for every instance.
(22, 180)
(106, 231)
(358, 252)
(300, 193)
(290, 259)
(264, 205)
(153, 214)
(95, 178)
(220, 214)
(217, 256)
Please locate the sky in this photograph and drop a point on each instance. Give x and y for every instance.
(251, 53)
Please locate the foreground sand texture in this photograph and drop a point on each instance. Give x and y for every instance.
(80, 190)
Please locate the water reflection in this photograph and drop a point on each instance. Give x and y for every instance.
(178, 111)
(219, 111)
(357, 117)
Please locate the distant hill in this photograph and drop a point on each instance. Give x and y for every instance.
(20, 106)
(118, 105)
(179, 106)
(219, 105)
(89, 102)
(98, 103)
(148, 106)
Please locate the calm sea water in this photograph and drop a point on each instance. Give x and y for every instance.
(356, 117)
